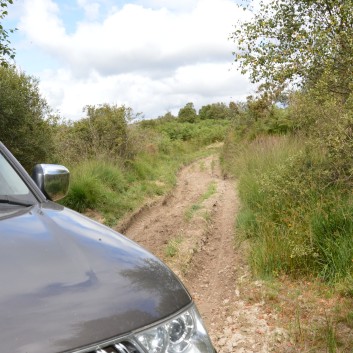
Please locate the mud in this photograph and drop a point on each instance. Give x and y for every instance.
(192, 230)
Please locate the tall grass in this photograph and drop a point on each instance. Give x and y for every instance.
(113, 186)
(99, 185)
(298, 223)
(113, 189)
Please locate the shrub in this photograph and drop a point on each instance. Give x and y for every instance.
(103, 133)
(187, 114)
(25, 123)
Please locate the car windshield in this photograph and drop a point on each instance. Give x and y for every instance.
(13, 189)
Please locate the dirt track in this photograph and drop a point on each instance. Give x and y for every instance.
(192, 230)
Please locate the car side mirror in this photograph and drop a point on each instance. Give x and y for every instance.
(52, 179)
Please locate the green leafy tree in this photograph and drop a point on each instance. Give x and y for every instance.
(234, 108)
(187, 114)
(204, 112)
(168, 116)
(305, 42)
(216, 111)
(108, 127)
(5, 50)
(258, 108)
(25, 125)
(103, 132)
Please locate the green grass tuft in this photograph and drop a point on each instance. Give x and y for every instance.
(298, 222)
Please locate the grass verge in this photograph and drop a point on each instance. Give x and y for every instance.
(114, 188)
(300, 230)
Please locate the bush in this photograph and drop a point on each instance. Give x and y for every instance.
(203, 133)
(25, 123)
(137, 160)
(113, 188)
(327, 126)
(187, 114)
(103, 133)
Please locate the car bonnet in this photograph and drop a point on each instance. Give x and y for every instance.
(68, 282)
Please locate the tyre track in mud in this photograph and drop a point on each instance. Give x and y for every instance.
(206, 258)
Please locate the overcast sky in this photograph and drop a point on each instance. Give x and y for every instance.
(151, 55)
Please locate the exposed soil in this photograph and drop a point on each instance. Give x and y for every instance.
(192, 230)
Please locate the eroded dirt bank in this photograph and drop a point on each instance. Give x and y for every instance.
(192, 230)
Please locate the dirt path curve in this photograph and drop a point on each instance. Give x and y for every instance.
(192, 230)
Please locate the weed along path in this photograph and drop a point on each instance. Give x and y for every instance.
(192, 230)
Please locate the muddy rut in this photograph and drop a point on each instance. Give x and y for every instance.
(192, 230)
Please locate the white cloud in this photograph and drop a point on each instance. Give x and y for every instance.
(91, 8)
(153, 55)
(180, 5)
(42, 24)
(201, 84)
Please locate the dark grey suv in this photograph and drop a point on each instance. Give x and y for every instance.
(69, 284)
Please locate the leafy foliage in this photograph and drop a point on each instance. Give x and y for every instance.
(116, 163)
(25, 124)
(259, 116)
(327, 126)
(296, 189)
(5, 49)
(217, 111)
(103, 132)
(298, 41)
(107, 127)
(201, 133)
(187, 113)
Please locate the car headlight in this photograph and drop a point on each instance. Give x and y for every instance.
(184, 333)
